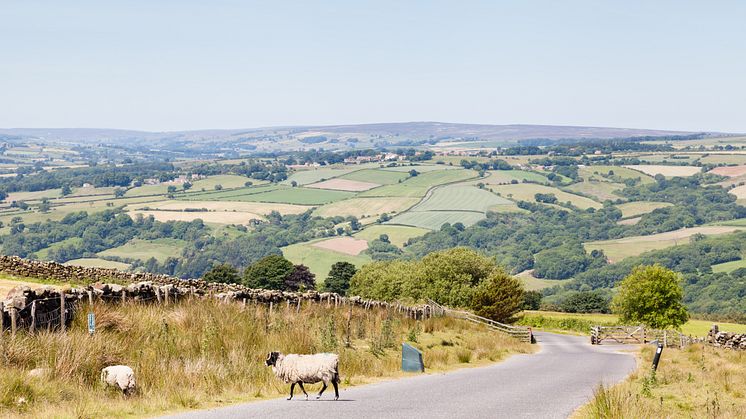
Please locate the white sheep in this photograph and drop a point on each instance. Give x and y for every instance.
(308, 369)
(120, 376)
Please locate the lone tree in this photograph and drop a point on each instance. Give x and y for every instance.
(223, 273)
(498, 297)
(300, 279)
(651, 295)
(269, 273)
(339, 277)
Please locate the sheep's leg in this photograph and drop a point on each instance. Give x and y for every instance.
(336, 390)
(300, 383)
(292, 387)
(322, 391)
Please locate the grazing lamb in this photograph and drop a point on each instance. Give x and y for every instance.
(119, 376)
(306, 369)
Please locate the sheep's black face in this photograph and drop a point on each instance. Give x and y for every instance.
(271, 358)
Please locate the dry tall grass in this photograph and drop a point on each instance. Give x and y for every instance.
(696, 382)
(200, 353)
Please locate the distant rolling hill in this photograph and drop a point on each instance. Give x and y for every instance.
(331, 137)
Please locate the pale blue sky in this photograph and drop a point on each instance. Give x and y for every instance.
(177, 64)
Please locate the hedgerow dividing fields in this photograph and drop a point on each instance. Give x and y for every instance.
(365, 207)
(527, 192)
(417, 186)
(433, 220)
(601, 191)
(460, 198)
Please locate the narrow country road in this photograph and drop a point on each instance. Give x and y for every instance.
(549, 384)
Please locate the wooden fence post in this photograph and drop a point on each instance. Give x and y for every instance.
(2, 319)
(158, 294)
(33, 316)
(124, 295)
(62, 311)
(90, 299)
(297, 308)
(165, 294)
(13, 321)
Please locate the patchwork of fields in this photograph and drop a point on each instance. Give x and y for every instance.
(451, 204)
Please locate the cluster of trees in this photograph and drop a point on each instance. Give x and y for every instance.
(457, 277)
(705, 291)
(243, 250)
(273, 171)
(494, 164)
(99, 176)
(88, 234)
(277, 273)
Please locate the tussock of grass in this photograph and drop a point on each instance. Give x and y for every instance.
(696, 382)
(197, 354)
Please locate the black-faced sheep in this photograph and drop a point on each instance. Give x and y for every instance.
(306, 369)
(120, 376)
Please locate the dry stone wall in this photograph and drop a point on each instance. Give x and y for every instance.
(37, 307)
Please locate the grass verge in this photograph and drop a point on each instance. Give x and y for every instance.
(695, 382)
(199, 354)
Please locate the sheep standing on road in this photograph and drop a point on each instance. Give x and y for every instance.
(308, 369)
(120, 376)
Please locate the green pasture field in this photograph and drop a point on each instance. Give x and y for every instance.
(601, 191)
(302, 196)
(379, 176)
(460, 198)
(33, 196)
(531, 283)
(619, 249)
(623, 173)
(741, 222)
(495, 177)
(728, 267)
(398, 235)
(433, 220)
(227, 195)
(320, 261)
(527, 191)
(634, 209)
(161, 249)
(98, 263)
(43, 254)
(419, 185)
(692, 327)
(306, 177)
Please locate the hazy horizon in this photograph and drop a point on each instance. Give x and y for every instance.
(187, 65)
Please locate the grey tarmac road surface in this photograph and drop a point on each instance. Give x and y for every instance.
(549, 384)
